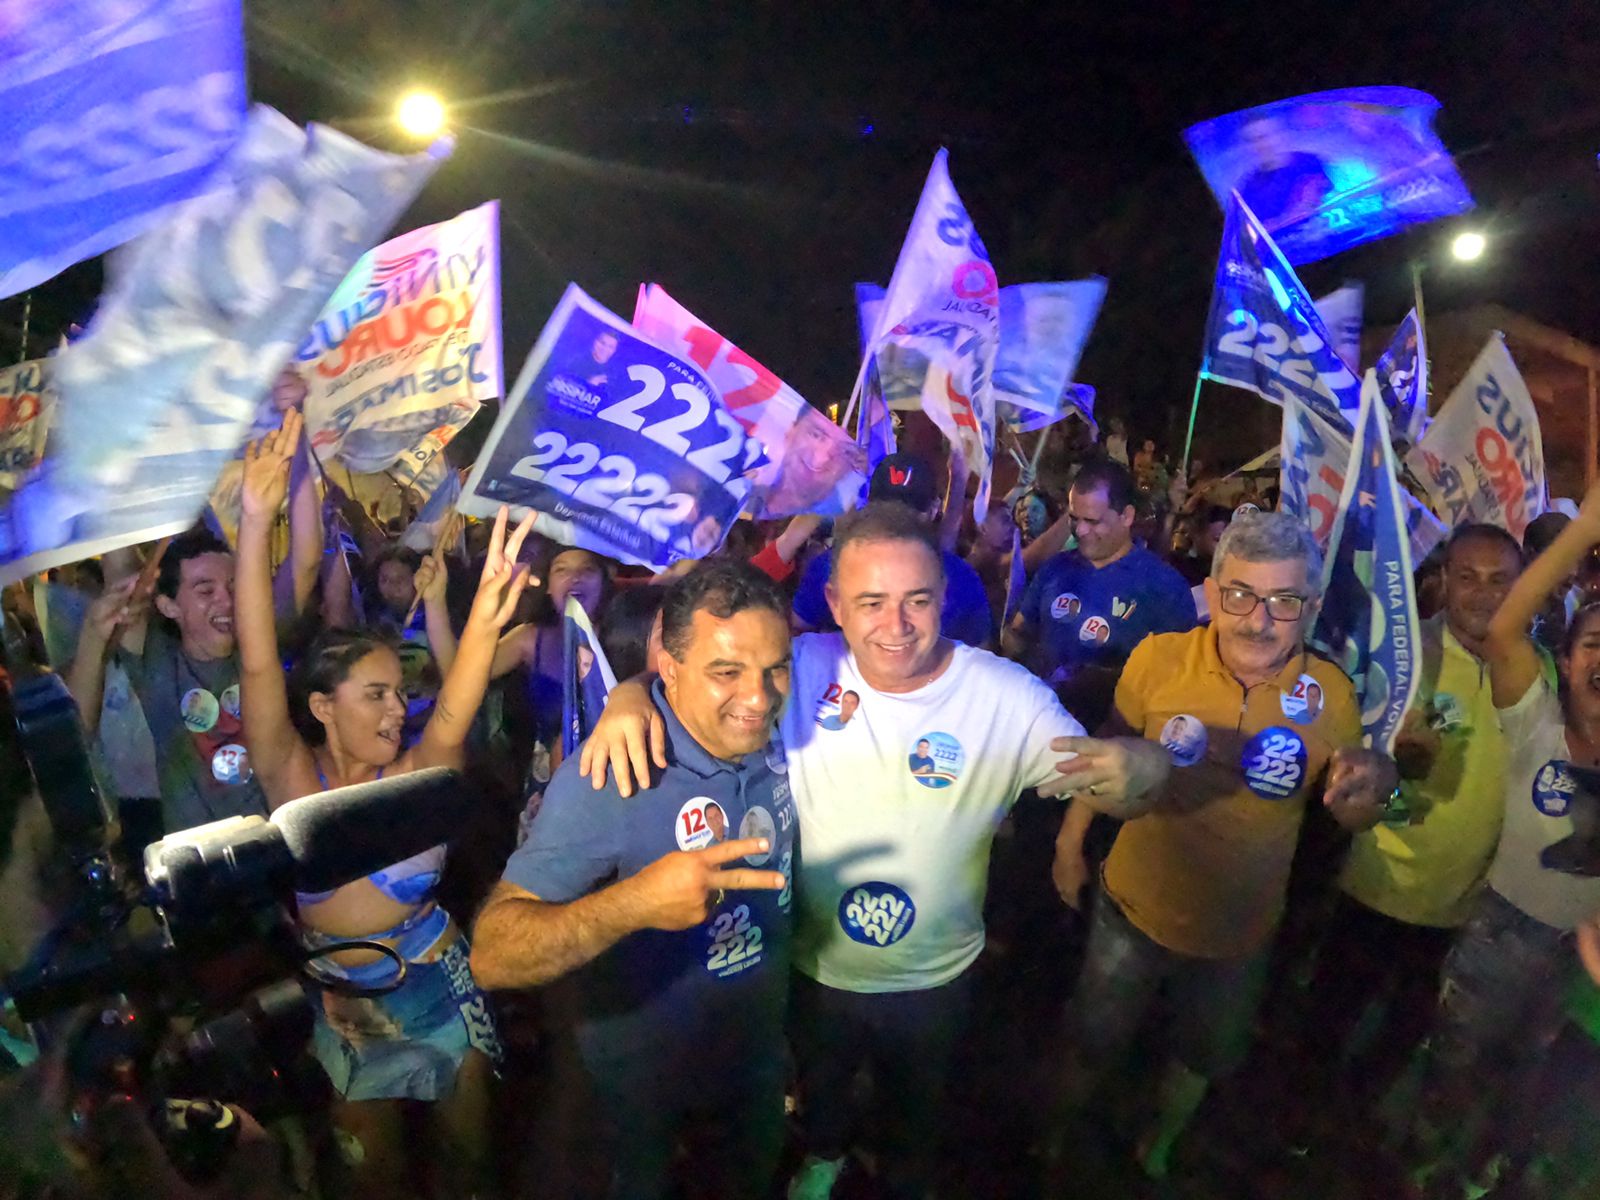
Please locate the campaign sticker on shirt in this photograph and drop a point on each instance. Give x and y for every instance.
(786, 865)
(1095, 631)
(1065, 606)
(1185, 739)
(230, 700)
(1302, 703)
(876, 913)
(1553, 788)
(734, 942)
(757, 823)
(231, 764)
(777, 761)
(936, 760)
(701, 821)
(1274, 763)
(1245, 509)
(837, 715)
(1447, 714)
(199, 709)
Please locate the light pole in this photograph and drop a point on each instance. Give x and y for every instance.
(420, 115)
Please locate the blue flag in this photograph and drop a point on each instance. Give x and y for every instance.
(586, 677)
(1368, 623)
(874, 422)
(1264, 334)
(1043, 328)
(1403, 381)
(1017, 581)
(113, 113)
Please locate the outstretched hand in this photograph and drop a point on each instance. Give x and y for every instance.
(265, 485)
(500, 586)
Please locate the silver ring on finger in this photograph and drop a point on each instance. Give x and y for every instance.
(717, 903)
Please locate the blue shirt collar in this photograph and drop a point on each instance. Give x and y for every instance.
(684, 751)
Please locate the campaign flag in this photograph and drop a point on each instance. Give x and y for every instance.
(1341, 312)
(408, 345)
(1368, 622)
(874, 422)
(1403, 381)
(159, 394)
(943, 305)
(114, 114)
(1482, 458)
(1313, 461)
(1016, 580)
(27, 403)
(813, 465)
(1263, 333)
(1043, 328)
(869, 300)
(1332, 170)
(669, 480)
(440, 506)
(586, 677)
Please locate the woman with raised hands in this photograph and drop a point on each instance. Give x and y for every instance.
(336, 720)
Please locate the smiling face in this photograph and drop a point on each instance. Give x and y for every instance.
(1254, 646)
(888, 598)
(1104, 534)
(202, 606)
(732, 680)
(365, 712)
(604, 347)
(1580, 666)
(1477, 575)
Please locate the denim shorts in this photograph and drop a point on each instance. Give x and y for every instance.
(409, 1043)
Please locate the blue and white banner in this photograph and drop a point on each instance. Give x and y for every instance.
(1016, 580)
(1482, 458)
(1263, 333)
(114, 112)
(1403, 381)
(1341, 311)
(1043, 328)
(869, 303)
(1313, 460)
(813, 465)
(440, 507)
(160, 392)
(617, 445)
(943, 304)
(874, 422)
(1368, 624)
(586, 677)
(1332, 170)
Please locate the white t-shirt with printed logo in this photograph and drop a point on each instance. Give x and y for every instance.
(898, 806)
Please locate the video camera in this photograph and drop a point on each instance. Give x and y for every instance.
(192, 954)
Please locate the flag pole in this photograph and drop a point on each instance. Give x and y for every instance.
(1194, 407)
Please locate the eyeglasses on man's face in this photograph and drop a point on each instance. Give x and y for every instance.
(1281, 606)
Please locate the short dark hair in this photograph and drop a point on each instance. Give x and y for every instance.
(721, 587)
(395, 552)
(1543, 530)
(193, 544)
(1480, 531)
(624, 628)
(883, 521)
(1114, 478)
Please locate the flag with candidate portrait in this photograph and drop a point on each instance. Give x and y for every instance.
(1043, 329)
(1368, 621)
(1403, 381)
(586, 677)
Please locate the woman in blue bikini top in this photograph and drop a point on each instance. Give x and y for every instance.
(338, 720)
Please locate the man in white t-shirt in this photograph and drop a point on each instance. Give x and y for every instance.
(897, 809)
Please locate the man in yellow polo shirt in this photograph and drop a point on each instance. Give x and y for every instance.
(1193, 890)
(1407, 886)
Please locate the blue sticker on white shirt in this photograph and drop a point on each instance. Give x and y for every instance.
(734, 943)
(936, 760)
(1184, 738)
(876, 913)
(1553, 787)
(1274, 763)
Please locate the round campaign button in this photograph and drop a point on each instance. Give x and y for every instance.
(230, 700)
(1095, 631)
(231, 764)
(1448, 713)
(936, 760)
(1245, 509)
(777, 763)
(1302, 703)
(876, 914)
(1065, 606)
(758, 823)
(1553, 788)
(701, 821)
(199, 708)
(1185, 739)
(1274, 763)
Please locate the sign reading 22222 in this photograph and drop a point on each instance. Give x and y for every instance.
(616, 444)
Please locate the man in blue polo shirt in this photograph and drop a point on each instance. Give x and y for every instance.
(908, 480)
(677, 938)
(1086, 609)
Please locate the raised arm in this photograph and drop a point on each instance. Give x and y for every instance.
(119, 605)
(955, 499)
(275, 747)
(306, 535)
(1513, 661)
(499, 588)
(432, 580)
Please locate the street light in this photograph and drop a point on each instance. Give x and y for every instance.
(1468, 246)
(420, 114)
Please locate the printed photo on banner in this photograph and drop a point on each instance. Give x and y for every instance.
(814, 466)
(617, 445)
(27, 398)
(409, 343)
(1331, 170)
(1043, 328)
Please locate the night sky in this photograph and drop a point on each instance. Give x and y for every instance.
(757, 160)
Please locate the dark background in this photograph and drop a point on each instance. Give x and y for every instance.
(758, 159)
